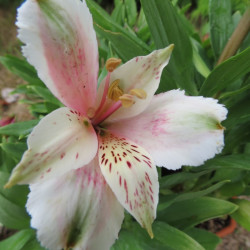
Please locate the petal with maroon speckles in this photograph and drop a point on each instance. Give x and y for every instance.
(130, 172)
(143, 72)
(63, 140)
(77, 210)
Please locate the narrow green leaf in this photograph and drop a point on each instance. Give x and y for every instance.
(236, 161)
(125, 47)
(187, 213)
(168, 200)
(131, 10)
(226, 73)
(167, 28)
(15, 150)
(242, 215)
(45, 94)
(174, 238)
(220, 21)
(17, 194)
(118, 13)
(33, 245)
(19, 128)
(173, 179)
(18, 240)
(102, 19)
(207, 239)
(166, 237)
(21, 68)
(13, 216)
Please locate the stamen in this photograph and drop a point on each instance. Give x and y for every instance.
(140, 93)
(114, 91)
(112, 64)
(127, 100)
(109, 112)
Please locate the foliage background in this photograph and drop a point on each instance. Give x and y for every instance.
(200, 30)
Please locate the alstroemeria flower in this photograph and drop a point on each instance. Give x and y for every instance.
(88, 161)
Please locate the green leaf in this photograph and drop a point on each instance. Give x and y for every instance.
(118, 14)
(167, 28)
(237, 161)
(221, 27)
(207, 239)
(13, 216)
(45, 94)
(18, 240)
(233, 189)
(166, 238)
(18, 128)
(226, 73)
(103, 20)
(187, 213)
(167, 200)
(173, 179)
(131, 11)
(238, 113)
(15, 150)
(33, 245)
(242, 215)
(237, 137)
(174, 238)
(21, 68)
(17, 194)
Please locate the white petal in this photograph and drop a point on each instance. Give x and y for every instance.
(177, 129)
(132, 175)
(77, 210)
(143, 72)
(61, 141)
(60, 43)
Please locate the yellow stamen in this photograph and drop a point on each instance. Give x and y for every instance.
(114, 91)
(91, 113)
(127, 100)
(112, 64)
(140, 93)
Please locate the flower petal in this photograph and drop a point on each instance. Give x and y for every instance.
(61, 141)
(61, 44)
(132, 175)
(77, 210)
(177, 129)
(143, 72)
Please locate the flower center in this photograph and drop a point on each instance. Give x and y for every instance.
(113, 97)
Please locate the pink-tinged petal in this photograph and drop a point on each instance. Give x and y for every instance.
(61, 141)
(177, 129)
(60, 43)
(130, 172)
(142, 72)
(77, 210)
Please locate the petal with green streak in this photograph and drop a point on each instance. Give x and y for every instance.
(61, 44)
(77, 210)
(63, 140)
(176, 129)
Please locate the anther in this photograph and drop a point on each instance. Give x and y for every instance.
(140, 93)
(114, 91)
(127, 100)
(112, 64)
